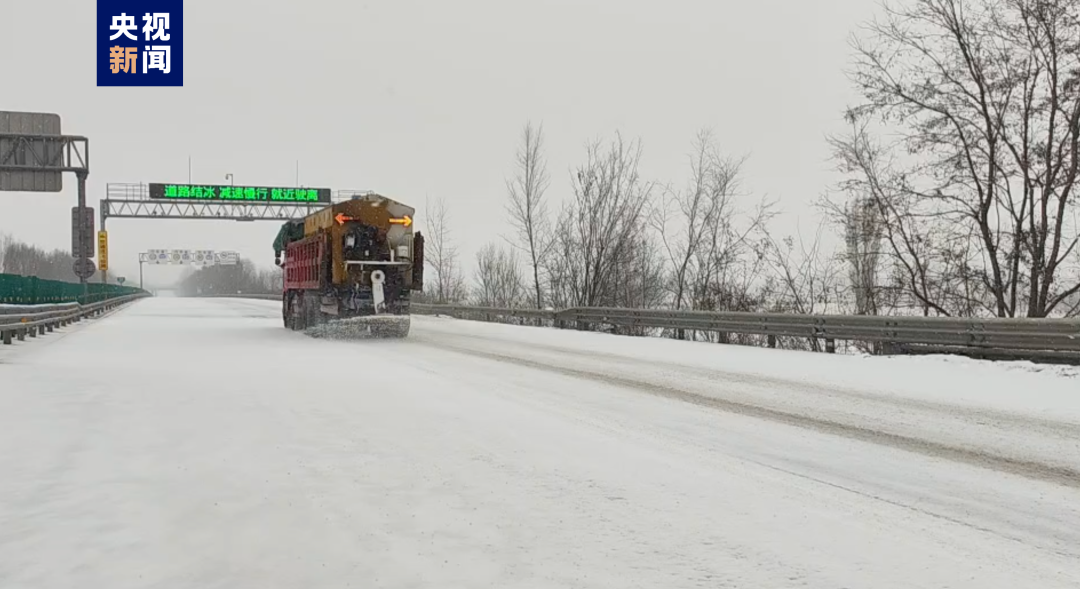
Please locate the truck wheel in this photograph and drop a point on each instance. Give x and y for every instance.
(301, 315)
(294, 317)
(313, 316)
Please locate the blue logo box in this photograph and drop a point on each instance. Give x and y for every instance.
(140, 42)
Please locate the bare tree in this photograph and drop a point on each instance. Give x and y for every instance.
(706, 240)
(243, 277)
(5, 242)
(27, 260)
(498, 278)
(603, 223)
(930, 258)
(986, 96)
(527, 208)
(442, 254)
(639, 278)
(805, 276)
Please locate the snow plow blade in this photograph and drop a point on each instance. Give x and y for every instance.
(368, 327)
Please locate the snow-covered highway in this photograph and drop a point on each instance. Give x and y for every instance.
(197, 443)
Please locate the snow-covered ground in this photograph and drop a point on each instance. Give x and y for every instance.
(1010, 414)
(196, 443)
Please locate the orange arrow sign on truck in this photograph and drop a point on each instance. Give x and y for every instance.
(406, 220)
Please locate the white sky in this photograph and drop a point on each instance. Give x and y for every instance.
(416, 98)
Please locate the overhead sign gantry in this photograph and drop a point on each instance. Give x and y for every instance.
(231, 193)
(211, 201)
(34, 154)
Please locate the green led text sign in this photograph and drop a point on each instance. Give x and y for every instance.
(237, 193)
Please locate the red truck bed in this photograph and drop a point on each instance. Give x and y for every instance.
(303, 259)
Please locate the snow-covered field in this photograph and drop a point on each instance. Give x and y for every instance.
(196, 443)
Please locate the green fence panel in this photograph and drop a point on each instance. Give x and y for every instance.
(28, 290)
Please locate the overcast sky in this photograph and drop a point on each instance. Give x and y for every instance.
(418, 99)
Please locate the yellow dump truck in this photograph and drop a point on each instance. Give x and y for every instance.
(353, 264)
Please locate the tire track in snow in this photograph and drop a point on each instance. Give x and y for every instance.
(1030, 469)
(1029, 423)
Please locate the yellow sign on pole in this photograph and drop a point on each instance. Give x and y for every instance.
(103, 250)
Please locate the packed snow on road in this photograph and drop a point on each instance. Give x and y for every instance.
(197, 443)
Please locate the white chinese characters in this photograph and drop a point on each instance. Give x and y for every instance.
(158, 24)
(154, 56)
(158, 56)
(123, 25)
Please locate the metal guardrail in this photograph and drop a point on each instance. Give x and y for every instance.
(556, 318)
(1043, 340)
(1055, 340)
(37, 320)
(8, 309)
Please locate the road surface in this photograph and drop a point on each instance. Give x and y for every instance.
(196, 443)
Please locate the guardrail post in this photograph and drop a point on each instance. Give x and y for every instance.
(830, 345)
(772, 340)
(7, 337)
(891, 349)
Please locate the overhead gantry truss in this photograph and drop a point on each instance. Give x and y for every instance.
(225, 211)
(27, 152)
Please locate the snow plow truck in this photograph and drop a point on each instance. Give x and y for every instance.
(350, 268)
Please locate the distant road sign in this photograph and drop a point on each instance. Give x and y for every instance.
(157, 256)
(121, 280)
(31, 152)
(84, 268)
(82, 232)
(184, 257)
(217, 192)
(203, 258)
